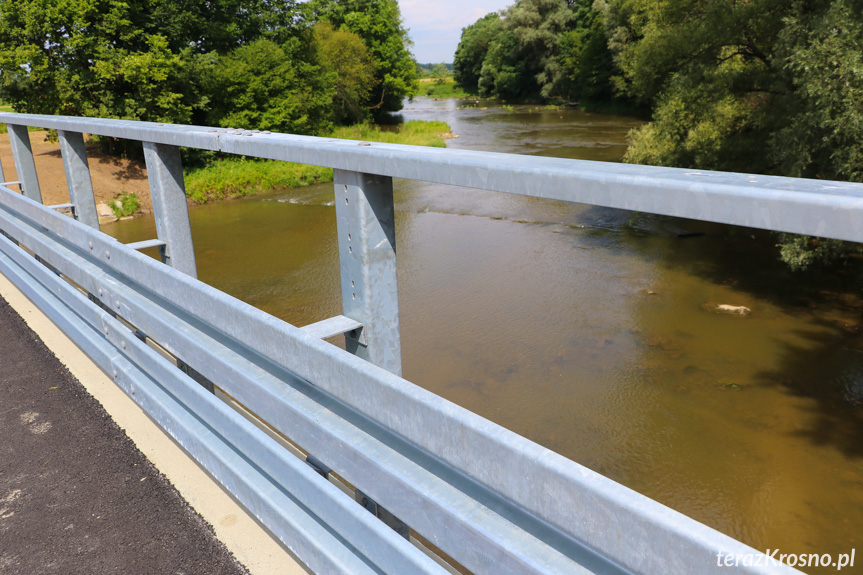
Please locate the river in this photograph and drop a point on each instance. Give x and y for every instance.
(589, 330)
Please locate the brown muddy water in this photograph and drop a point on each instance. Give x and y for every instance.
(588, 330)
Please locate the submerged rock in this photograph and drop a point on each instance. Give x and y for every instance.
(738, 310)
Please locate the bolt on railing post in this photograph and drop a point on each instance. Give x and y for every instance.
(168, 193)
(367, 253)
(78, 179)
(25, 165)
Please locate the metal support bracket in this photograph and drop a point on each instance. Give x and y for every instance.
(61, 206)
(336, 326)
(388, 518)
(142, 245)
(365, 216)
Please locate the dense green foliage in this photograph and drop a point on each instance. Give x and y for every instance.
(766, 86)
(353, 68)
(379, 24)
(270, 86)
(473, 47)
(543, 50)
(126, 205)
(242, 63)
(586, 59)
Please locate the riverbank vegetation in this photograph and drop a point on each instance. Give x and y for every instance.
(309, 68)
(550, 51)
(447, 88)
(765, 87)
(236, 176)
(289, 66)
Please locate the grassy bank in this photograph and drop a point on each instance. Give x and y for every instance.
(448, 89)
(236, 176)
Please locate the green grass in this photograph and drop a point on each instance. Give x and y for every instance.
(449, 89)
(126, 205)
(233, 177)
(413, 133)
(237, 176)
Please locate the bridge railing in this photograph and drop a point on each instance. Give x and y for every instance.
(454, 491)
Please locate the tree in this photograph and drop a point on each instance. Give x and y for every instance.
(516, 55)
(506, 74)
(379, 24)
(522, 60)
(472, 50)
(440, 73)
(823, 133)
(344, 55)
(85, 57)
(139, 59)
(765, 86)
(268, 86)
(587, 62)
(538, 25)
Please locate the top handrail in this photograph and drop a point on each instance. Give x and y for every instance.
(821, 208)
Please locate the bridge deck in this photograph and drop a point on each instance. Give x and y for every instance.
(76, 494)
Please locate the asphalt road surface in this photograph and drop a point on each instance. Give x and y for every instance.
(76, 496)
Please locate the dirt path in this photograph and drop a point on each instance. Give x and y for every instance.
(112, 177)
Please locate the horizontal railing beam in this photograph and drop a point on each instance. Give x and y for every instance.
(804, 206)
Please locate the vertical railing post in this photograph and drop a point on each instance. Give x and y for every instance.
(25, 165)
(367, 253)
(168, 193)
(78, 178)
(2, 175)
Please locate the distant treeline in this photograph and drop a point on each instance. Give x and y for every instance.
(549, 50)
(761, 86)
(290, 66)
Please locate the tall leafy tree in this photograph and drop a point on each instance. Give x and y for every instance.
(270, 86)
(587, 62)
(764, 86)
(523, 61)
(473, 47)
(344, 55)
(86, 57)
(134, 59)
(379, 24)
(506, 73)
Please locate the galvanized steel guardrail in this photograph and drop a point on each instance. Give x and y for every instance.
(450, 487)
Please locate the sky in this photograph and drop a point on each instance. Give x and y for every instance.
(435, 25)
